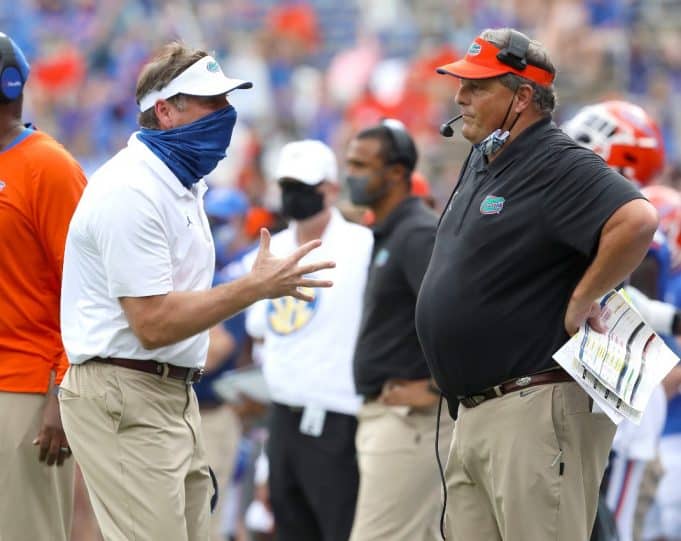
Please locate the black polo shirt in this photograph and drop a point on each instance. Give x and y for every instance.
(512, 245)
(387, 346)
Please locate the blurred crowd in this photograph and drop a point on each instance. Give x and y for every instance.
(323, 68)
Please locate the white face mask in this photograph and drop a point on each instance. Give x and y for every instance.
(493, 142)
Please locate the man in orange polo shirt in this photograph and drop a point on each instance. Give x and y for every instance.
(40, 185)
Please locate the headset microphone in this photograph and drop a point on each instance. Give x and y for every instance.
(446, 129)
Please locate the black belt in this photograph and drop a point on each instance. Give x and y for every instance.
(370, 397)
(188, 375)
(557, 375)
(210, 405)
(287, 407)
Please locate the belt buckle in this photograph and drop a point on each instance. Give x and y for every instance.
(478, 399)
(475, 400)
(524, 381)
(190, 375)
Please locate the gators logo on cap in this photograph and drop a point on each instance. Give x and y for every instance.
(474, 49)
(492, 204)
(213, 67)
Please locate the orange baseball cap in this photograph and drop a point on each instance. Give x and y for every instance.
(482, 62)
(256, 219)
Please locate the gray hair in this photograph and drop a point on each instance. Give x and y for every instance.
(543, 97)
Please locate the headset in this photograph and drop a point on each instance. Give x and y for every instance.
(14, 69)
(515, 52)
(403, 144)
(514, 55)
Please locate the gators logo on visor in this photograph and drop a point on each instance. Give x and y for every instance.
(474, 49)
(287, 315)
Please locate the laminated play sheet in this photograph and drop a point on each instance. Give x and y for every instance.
(619, 368)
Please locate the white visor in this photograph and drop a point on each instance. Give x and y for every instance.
(203, 78)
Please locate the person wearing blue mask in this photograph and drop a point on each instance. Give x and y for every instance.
(137, 304)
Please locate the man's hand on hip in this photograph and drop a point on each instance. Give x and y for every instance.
(281, 277)
(414, 393)
(54, 448)
(579, 312)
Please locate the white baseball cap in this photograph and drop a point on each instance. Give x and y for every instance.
(308, 161)
(203, 78)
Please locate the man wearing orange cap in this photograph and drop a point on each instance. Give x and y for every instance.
(536, 231)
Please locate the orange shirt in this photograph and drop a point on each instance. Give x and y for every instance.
(40, 185)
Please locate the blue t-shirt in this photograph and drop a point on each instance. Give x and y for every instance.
(235, 325)
(673, 422)
(659, 251)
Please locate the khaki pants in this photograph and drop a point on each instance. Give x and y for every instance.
(399, 484)
(37, 500)
(221, 434)
(137, 438)
(646, 496)
(527, 467)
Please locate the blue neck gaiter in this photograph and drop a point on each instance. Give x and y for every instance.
(193, 150)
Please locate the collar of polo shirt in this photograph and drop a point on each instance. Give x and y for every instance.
(203, 78)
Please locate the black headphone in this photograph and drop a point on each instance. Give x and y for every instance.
(514, 54)
(403, 144)
(14, 70)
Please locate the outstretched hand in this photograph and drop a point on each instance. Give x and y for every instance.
(280, 277)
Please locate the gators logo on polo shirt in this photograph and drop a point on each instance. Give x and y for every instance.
(381, 257)
(492, 204)
(287, 315)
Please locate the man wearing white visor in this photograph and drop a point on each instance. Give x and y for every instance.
(137, 304)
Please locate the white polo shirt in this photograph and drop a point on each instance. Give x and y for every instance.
(308, 347)
(136, 232)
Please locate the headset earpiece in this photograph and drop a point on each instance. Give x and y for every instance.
(405, 148)
(14, 69)
(514, 54)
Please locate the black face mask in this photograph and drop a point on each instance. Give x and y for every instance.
(300, 201)
(359, 190)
